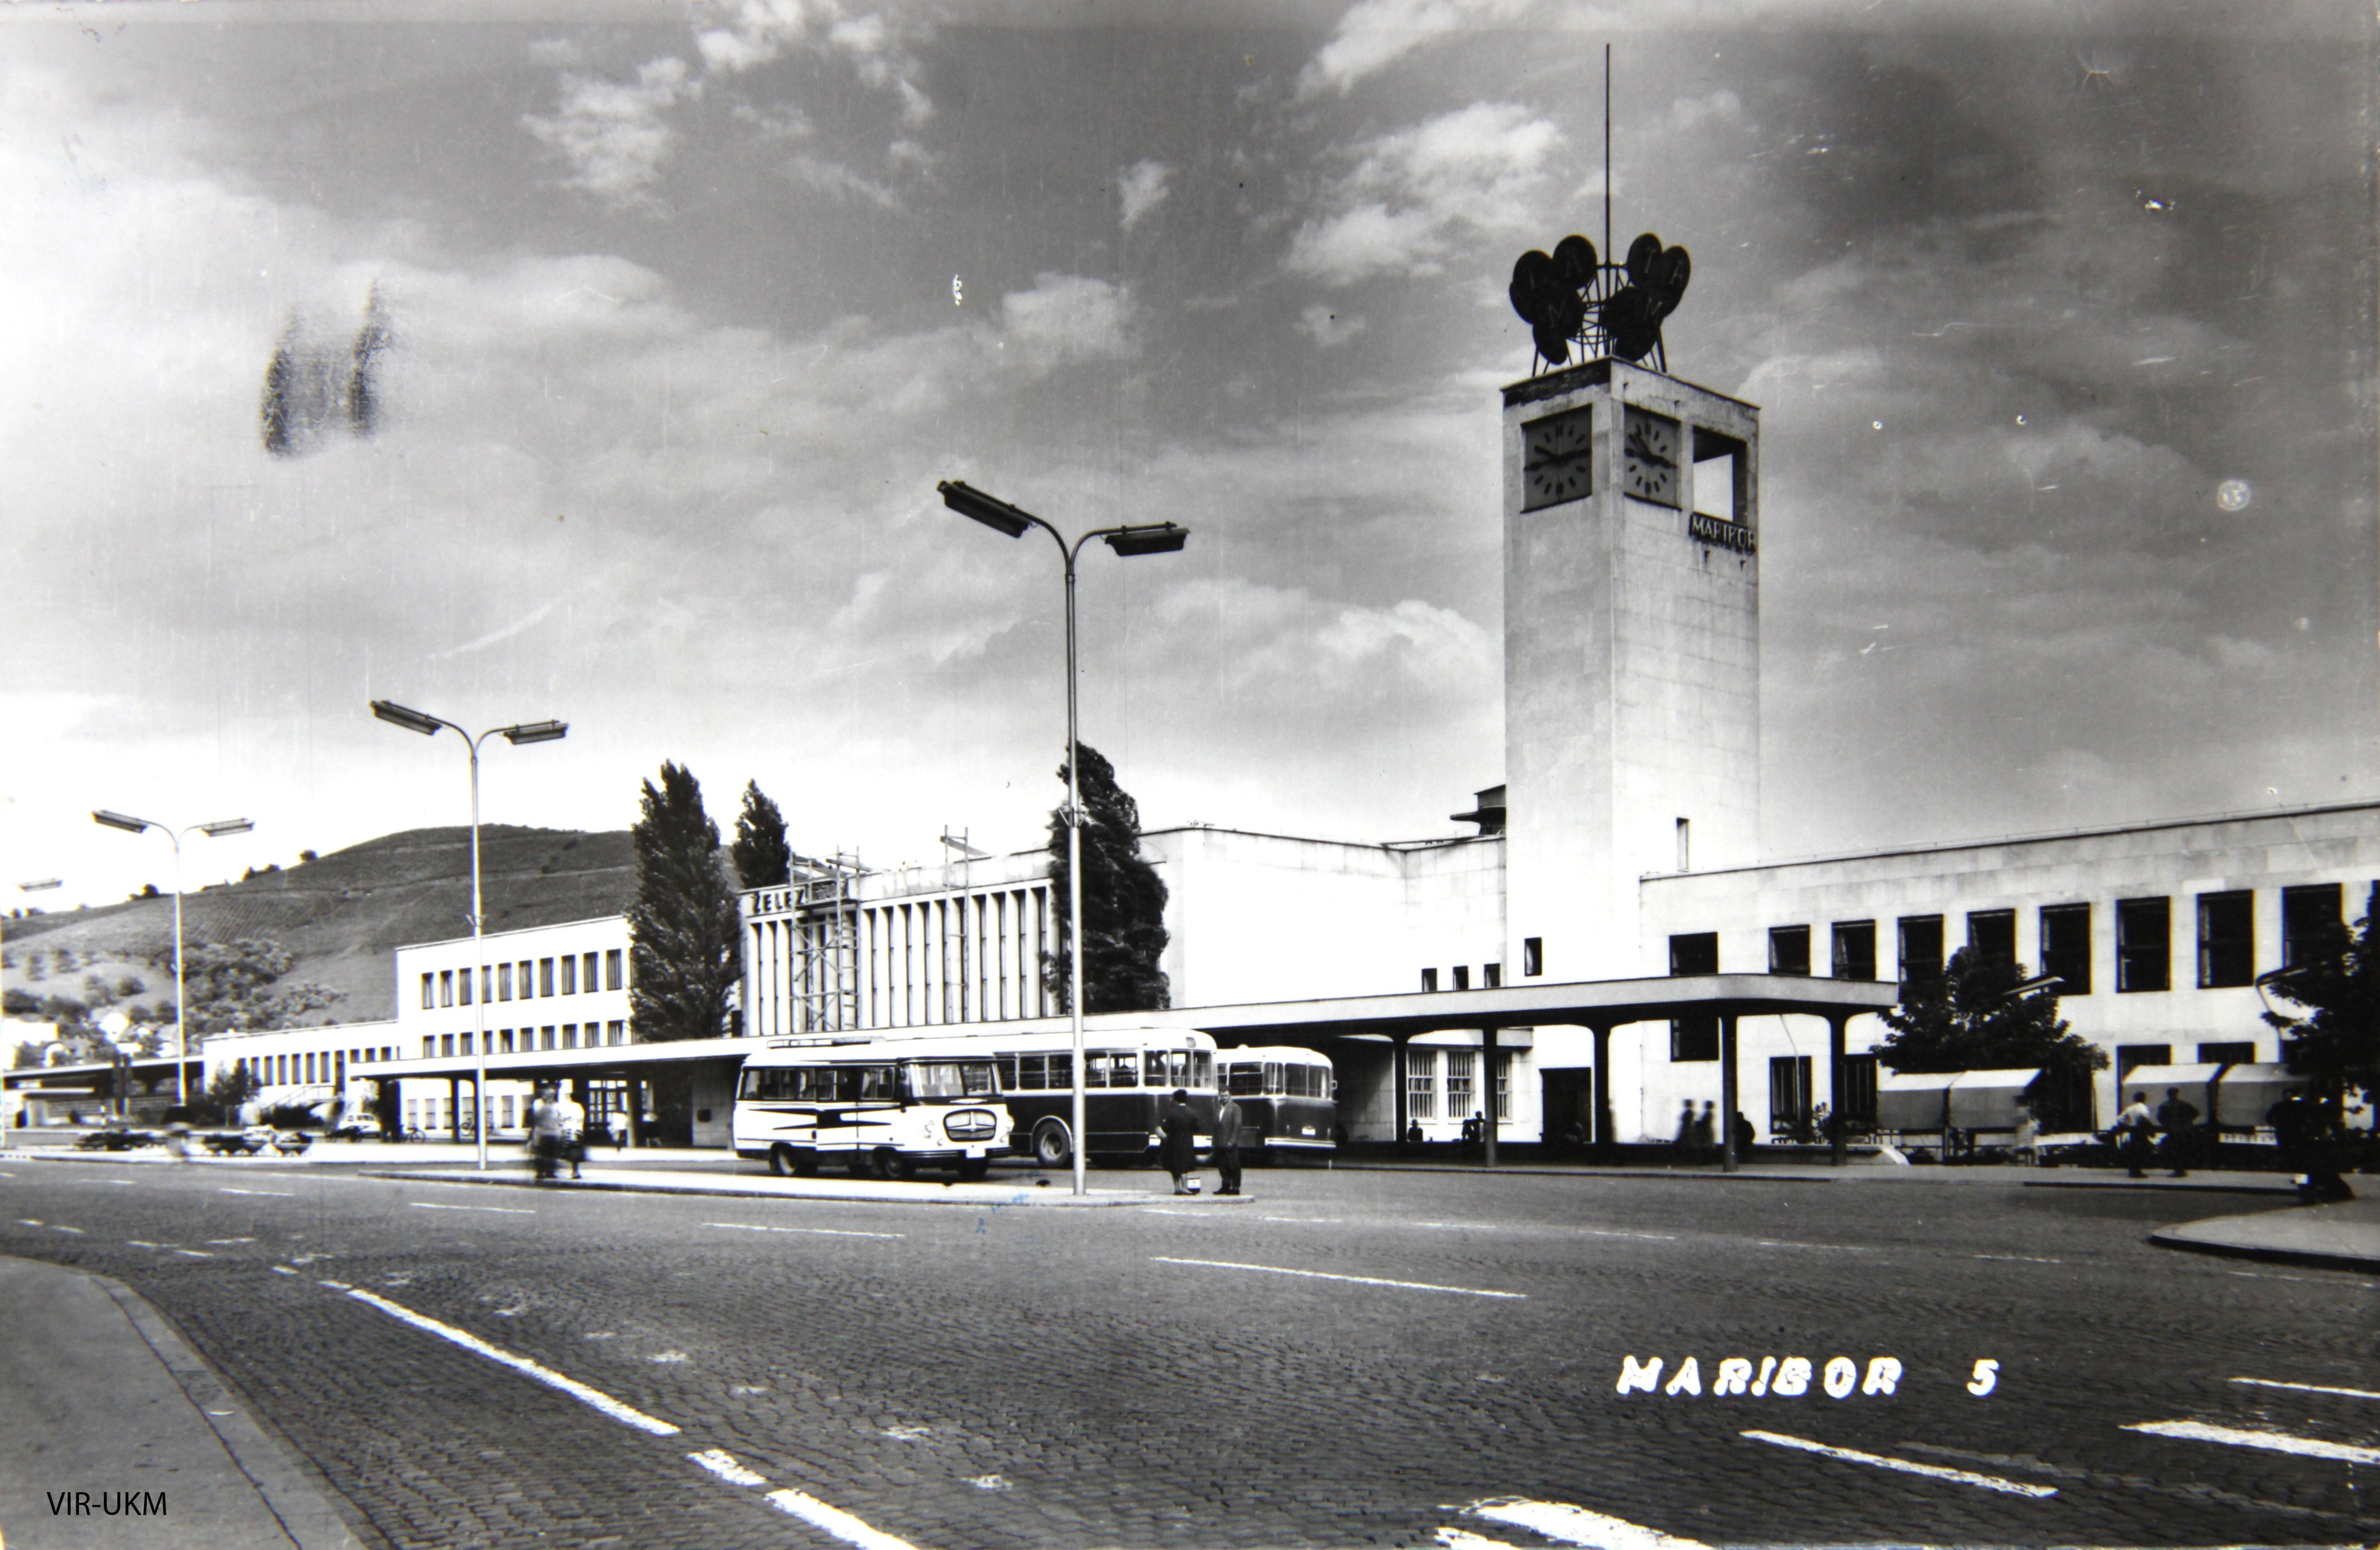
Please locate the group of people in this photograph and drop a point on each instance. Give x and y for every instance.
(1697, 1138)
(2171, 1128)
(557, 1131)
(1178, 1149)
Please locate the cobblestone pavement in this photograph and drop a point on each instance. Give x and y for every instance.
(1150, 1378)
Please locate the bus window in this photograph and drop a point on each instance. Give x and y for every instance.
(1202, 1069)
(1247, 1079)
(1272, 1078)
(864, 1085)
(1006, 1065)
(949, 1079)
(1114, 1067)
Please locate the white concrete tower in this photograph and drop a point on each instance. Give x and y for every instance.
(1632, 656)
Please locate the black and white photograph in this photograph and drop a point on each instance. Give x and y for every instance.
(1189, 775)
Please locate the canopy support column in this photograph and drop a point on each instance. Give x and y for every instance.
(1728, 1161)
(1605, 1142)
(1487, 1081)
(1838, 1122)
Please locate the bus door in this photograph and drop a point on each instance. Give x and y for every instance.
(867, 1106)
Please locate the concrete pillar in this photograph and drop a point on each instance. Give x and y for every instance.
(1397, 1042)
(636, 1112)
(1487, 1091)
(1604, 1139)
(455, 1108)
(1728, 1161)
(1835, 1122)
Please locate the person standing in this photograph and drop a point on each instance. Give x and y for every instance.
(545, 1131)
(573, 1130)
(2028, 1139)
(1685, 1144)
(1227, 1146)
(2175, 1116)
(1705, 1132)
(1178, 1149)
(2132, 1127)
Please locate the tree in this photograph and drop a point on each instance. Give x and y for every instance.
(762, 858)
(237, 984)
(220, 1104)
(2337, 1044)
(1124, 901)
(1966, 1018)
(684, 936)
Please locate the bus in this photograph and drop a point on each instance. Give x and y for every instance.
(1285, 1098)
(883, 1107)
(1129, 1075)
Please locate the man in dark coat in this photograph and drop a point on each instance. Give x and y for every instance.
(1178, 1152)
(1227, 1146)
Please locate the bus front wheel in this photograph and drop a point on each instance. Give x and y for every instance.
(1052, 1148)
(781, 1161)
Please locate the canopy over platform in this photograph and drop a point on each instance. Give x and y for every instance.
(1970, 1100)
(2231, 1097)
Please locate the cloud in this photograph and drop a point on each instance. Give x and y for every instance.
(1142, 188)
(1412, 193)
(615, 135)
(1068, 318)
(1372, 34)
(1328, 328)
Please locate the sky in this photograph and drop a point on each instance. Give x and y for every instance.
(2061, 319)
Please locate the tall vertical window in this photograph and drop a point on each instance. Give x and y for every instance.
(504, 982)
(569, 975)
(1694, 1038)
(429, 991)
(1695, 952)
(1855, 950)
(1921, 947)
(446, 1045)
(1430, 979)
(445, 987)
(1788, 949)
(1491, 975)
(463, 983)
(1462, 976)
(587, 973)
(2144, 944)
(1421, 1083)
(2066, 947)
(2227, 939)
(2312, 922)
(545, 976)
(1461, 1099)
(619, 1034)
(1533, 955)
(526, 992)
(612, 969)
(1991, 934)
(1503, 1087)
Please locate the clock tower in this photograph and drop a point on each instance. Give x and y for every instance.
(1632, 655)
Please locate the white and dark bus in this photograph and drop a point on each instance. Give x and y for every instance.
(1285, 1098)
(883, 1107)
(1129, 1075)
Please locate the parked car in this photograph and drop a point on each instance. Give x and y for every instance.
(115, 1138)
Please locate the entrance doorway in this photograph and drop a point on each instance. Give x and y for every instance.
(1568, 1098)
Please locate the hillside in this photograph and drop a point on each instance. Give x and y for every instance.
(342, 916)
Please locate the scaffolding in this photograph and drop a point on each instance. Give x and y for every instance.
(827, 941)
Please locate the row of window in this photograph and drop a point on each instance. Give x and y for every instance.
(1491, 975)
(1460, 1083)
(2312, 922)
(309, 1067)
(502, 1041)
(545, 976)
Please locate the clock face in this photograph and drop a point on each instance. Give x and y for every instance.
(1555, 465)
(1649, 460)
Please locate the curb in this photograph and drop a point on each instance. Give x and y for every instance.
(2143, 1186)
(947, 1195)
(2165, 1237)
(310, 1513)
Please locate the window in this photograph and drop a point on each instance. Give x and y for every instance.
(2144, 944)
(445, 987)
(1430, 979)
(545, 976)
(1921, 947)
(525, 990)
(1719, 475)
(2127, 1057)
(466, 1045)
(619, 1034)
(309, 1067)
(1491, 975)
(569, 975)
(2312, 922)
(429, 1046)
(446, 1043)
(1533, 957)
(506, 1036)
(464, 985)
(1991, 934)
(1694, 1038)
(1696, 953)
(587, 973)
(504, 982)
(612, 969)
(1503, 1087)
(1788, 949)
(569, 1030)
(1856, 1102)
(949, 1079)
(2227, 939)
(1461, 1065)
(429, 991)
(1855, 949)
(1421, 1083)
(545, 1037)
(2066, 947)
(505, 1109)
(1462, 976)
(2229, 1051)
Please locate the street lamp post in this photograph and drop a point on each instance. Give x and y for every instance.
(1152, 538)
(216, 830)
(527, 732)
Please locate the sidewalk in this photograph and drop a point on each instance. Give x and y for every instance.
(2341, 1237)
(1050, 1192)
(104, 1403)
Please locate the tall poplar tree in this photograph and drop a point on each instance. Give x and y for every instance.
(1124, 901)
(684, 937)
(763, 860)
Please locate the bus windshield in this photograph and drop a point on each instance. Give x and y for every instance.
(949, 1079)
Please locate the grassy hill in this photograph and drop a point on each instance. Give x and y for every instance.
(342, 916)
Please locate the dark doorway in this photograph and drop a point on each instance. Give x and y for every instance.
(1569, 1096)
(1788, 1098)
